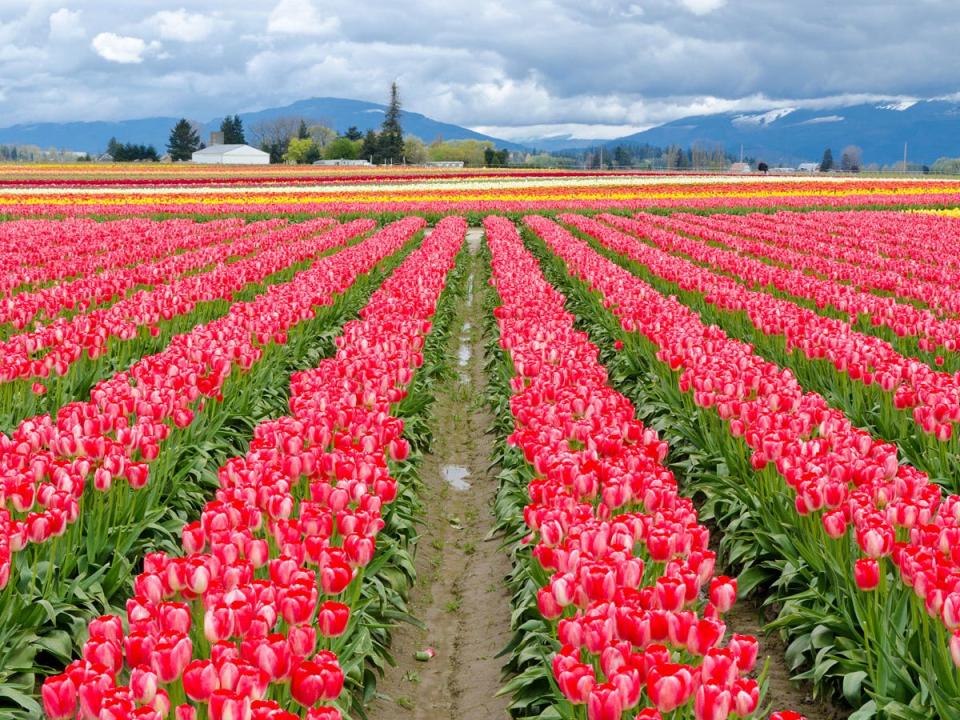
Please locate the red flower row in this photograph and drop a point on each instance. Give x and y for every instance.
(850, 254)
(933, 395)
(294, 519)
(852, 480)
(630, 563)
(94, 289)
(53, 348)
(37, 252)
(117, 433)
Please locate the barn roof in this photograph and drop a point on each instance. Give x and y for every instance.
(221, 149)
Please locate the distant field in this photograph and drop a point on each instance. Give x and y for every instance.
(286, 443)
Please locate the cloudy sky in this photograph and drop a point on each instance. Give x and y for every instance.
(516, 69)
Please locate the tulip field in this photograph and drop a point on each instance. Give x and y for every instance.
(355, 444)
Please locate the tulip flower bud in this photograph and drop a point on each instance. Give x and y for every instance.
(723, 592)
(604, 703)
(200, 680)
(59, 694)
(312, 682)
(332, 618)
(866, 573)
(143, 684)
(227, 705)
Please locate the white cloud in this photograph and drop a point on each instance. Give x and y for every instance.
(65, 24)
(300, 17)
(183, 26)
(703, 7)
(119, 48)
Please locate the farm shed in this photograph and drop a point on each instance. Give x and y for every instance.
(231, 155)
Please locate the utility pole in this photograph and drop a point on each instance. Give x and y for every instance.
(741, 152)
(904, 157)
(601, 157)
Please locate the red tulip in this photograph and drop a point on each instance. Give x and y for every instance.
(200, 680)
(313, 682)
(335, 577)
(669, 686)
(723, 593)
(746, 696)
(332, 618)
(604, 703)
(866, 572)
(745, 649)
(143, 684)
(59, 696)
(227, 705)
(712, 702)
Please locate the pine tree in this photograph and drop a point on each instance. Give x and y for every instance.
(391, 134)
(232, 129)
(184, 141)
(303, 132)
(353, 133)
(827, 162)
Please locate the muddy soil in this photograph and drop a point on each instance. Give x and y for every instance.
(460, 596)
(747, 618)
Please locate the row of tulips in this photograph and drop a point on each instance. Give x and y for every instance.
(242, 362)
(34, 253)
(57, 587)
(865, 268)
(249, 621)
(932, 333)
(830, 501)
(25, 398)
(278, 175)
(624, 572)
(51, 349)
(889, 234)
(88, 291)
(908, 392)
(50, 464)
(519, 201)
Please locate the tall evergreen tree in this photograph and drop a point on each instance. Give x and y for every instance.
(353, 133)
(827, 162)
(303, 132)
(391, 134)
(184, 141)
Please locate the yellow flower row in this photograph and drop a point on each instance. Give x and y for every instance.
(346, 197)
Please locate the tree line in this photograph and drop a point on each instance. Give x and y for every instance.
(300, 140)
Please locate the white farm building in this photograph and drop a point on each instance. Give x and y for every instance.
(231, 155)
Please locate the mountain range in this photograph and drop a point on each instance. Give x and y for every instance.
(930, 128)
(781, 136)
(337, 113)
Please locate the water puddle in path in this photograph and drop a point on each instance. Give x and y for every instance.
(456, 476)
(464, 354)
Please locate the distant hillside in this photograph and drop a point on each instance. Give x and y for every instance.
(931, 129)
(339, 113)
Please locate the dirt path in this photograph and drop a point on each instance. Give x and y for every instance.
(782, 693)
(459, 595)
